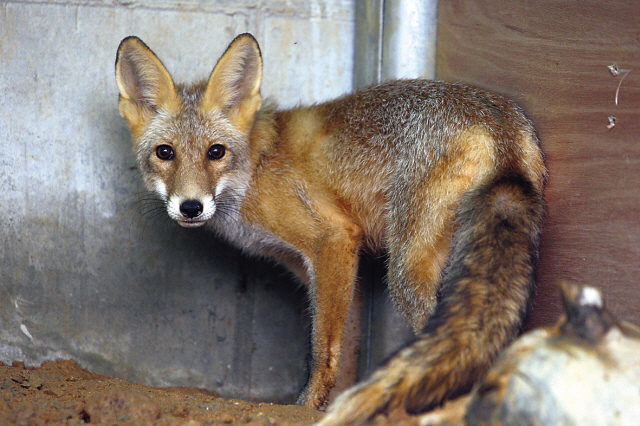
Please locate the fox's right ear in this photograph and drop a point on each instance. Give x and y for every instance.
(145, 84)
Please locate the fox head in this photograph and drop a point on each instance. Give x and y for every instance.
(191, 142)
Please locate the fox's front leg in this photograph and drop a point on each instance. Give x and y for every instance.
(334, 269)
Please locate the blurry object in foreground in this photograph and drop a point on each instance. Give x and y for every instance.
(584, 371)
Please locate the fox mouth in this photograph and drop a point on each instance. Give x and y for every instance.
(191, 223)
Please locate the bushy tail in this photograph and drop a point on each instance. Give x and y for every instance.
(484, 298)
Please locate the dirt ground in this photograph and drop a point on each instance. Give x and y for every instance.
(62, 393)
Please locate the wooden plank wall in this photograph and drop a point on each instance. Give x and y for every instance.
(552, 57)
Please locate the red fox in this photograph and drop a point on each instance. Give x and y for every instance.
(445, 178)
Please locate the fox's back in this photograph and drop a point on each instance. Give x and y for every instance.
(419, 121)
(376, 148)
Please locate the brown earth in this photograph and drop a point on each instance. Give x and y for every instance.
(62, 393)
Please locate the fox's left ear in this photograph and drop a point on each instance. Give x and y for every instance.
(234, 84)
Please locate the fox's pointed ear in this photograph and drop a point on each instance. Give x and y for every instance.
(145, 84)
(234, 84)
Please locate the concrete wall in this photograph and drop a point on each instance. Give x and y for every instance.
(89, 268)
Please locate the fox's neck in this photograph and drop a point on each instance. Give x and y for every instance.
(267, 131)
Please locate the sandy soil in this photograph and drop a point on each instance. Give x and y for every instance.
(62, 393)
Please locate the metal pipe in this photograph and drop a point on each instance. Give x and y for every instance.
(409, 39)
(394, 39)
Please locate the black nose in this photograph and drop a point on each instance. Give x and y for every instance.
(191, 209)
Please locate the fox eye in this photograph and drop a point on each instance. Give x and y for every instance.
(165, 152)
(216, 152)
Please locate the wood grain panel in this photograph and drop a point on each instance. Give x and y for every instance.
(552, 57)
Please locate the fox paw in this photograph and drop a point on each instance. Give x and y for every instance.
(314, 401)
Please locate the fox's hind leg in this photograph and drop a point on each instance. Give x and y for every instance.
(421, 223)
(414, 269)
